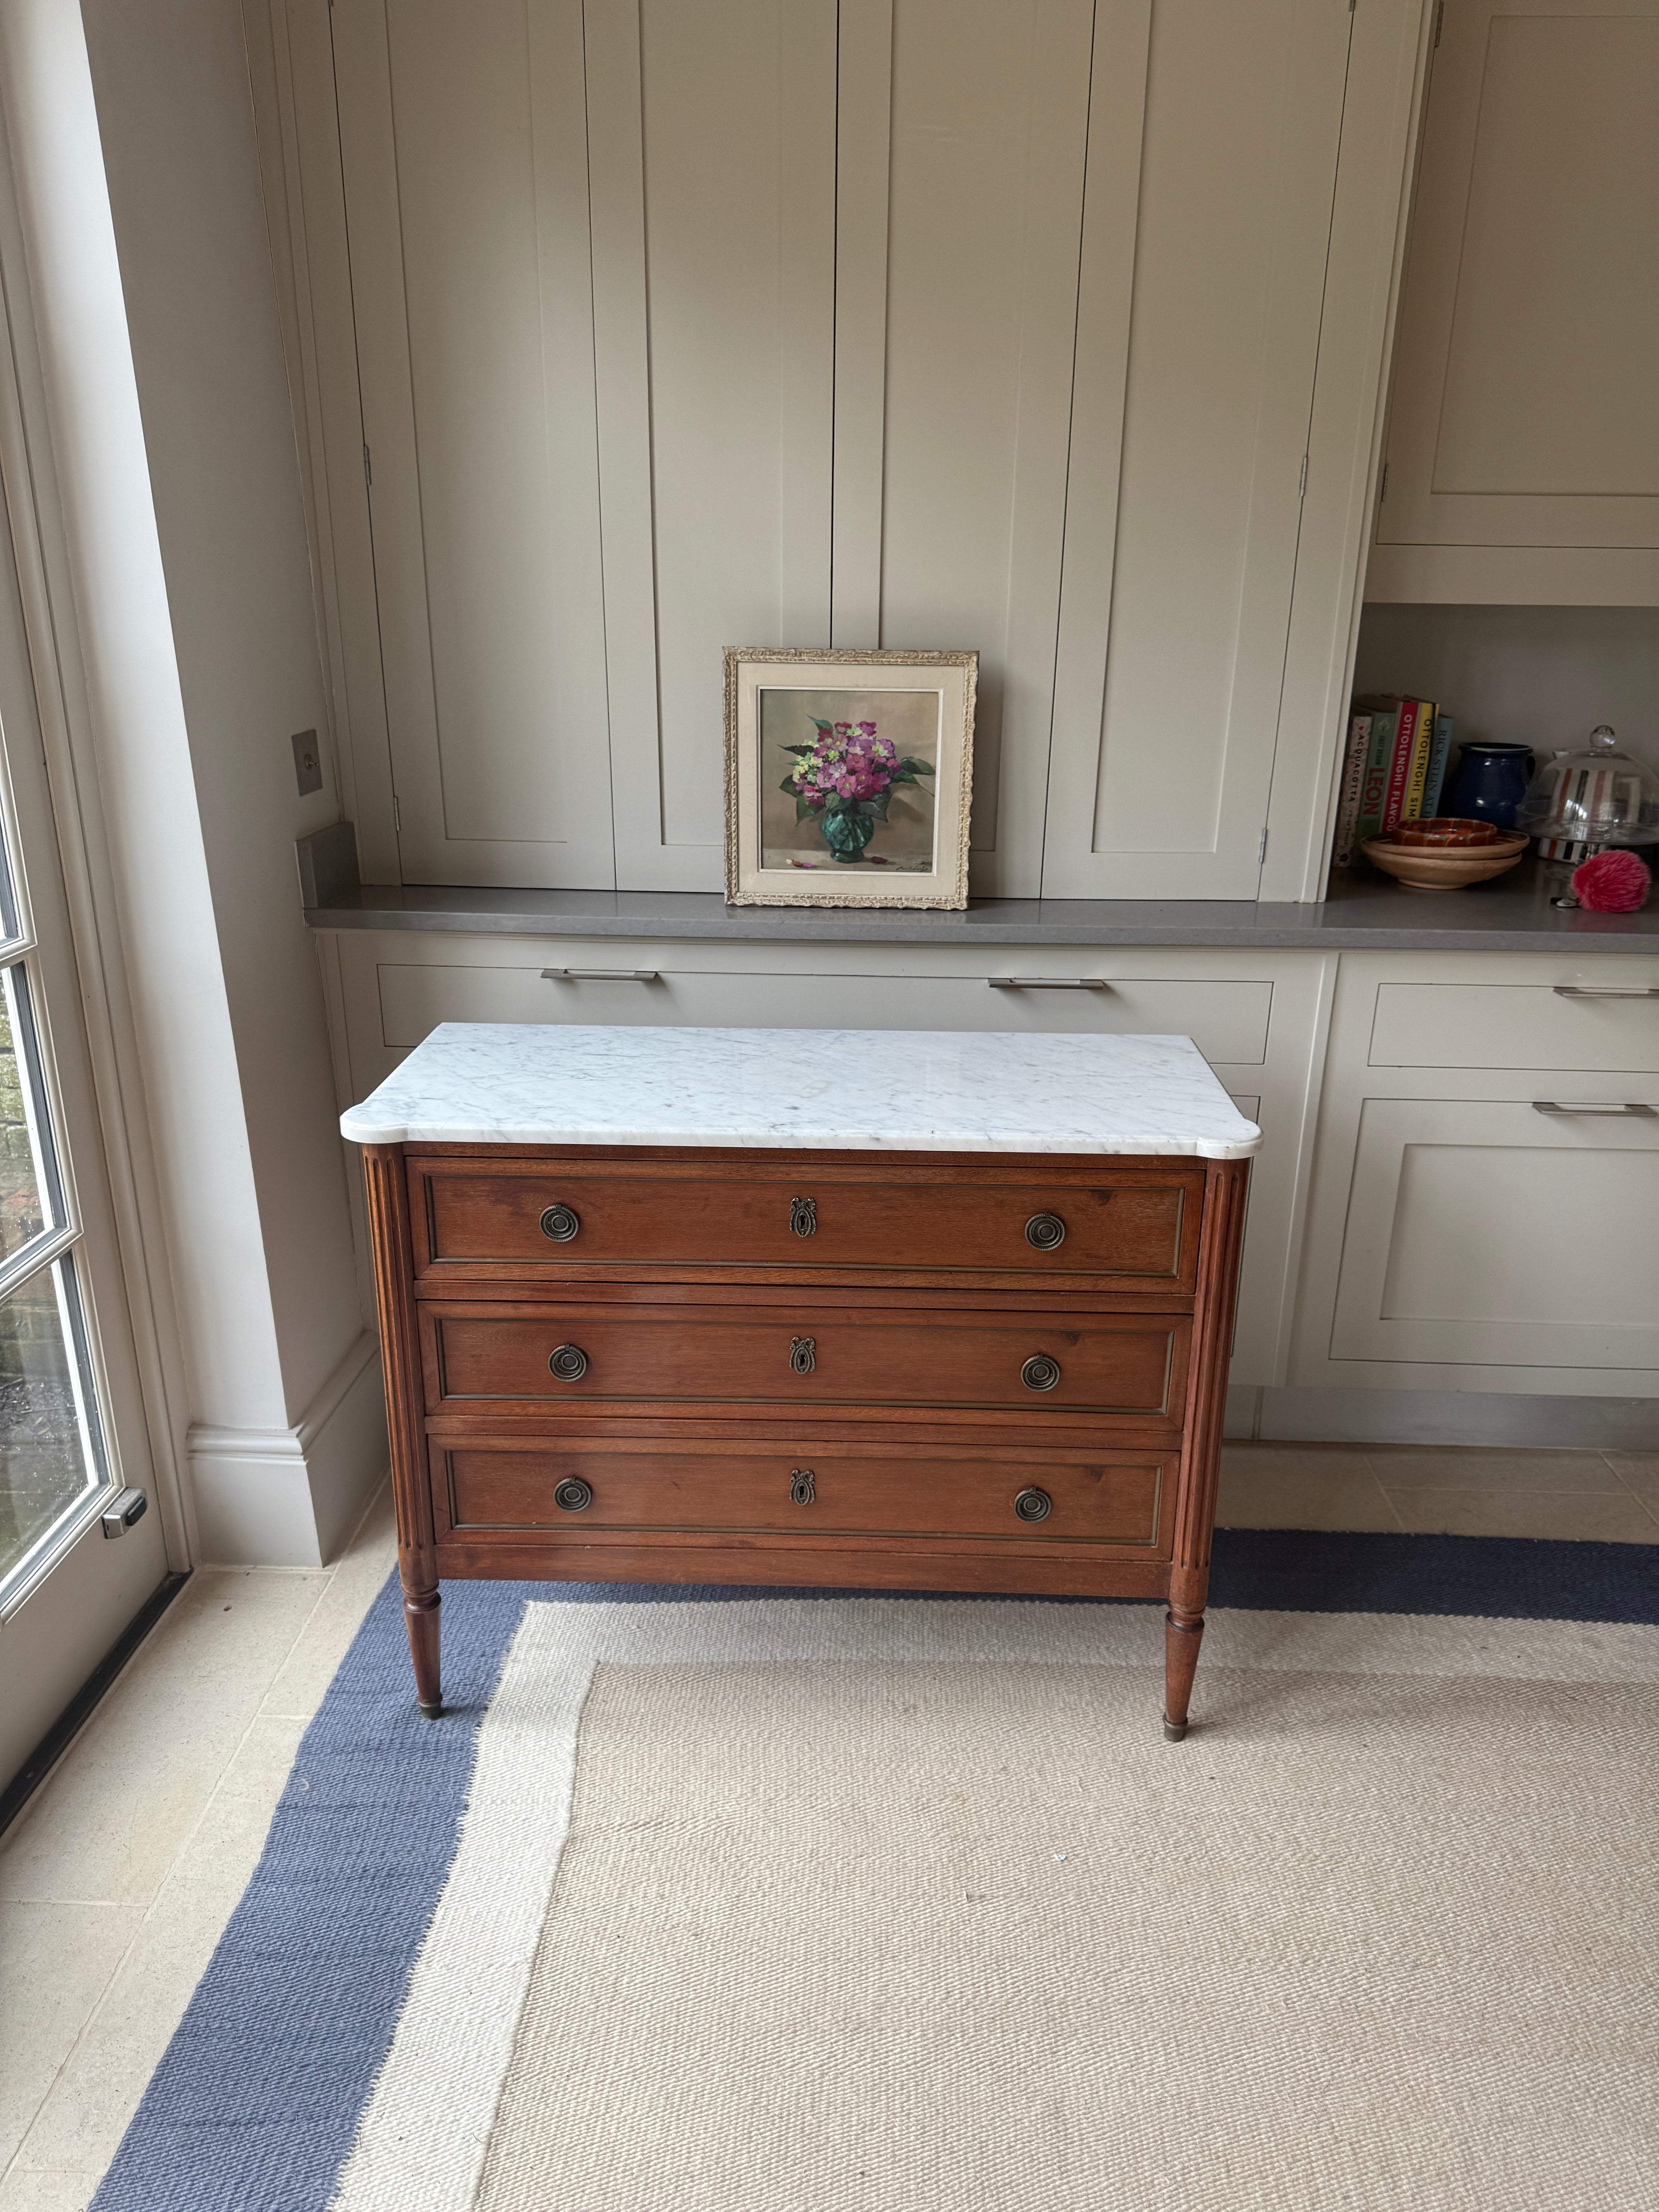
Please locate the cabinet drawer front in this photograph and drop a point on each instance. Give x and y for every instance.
(1116, 1498)
(1518, 1026)
(930, 1219)
(843, 1359)
(1226, 1019)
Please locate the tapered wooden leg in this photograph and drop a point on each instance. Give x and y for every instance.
(1184, 1632)
(421, 1604)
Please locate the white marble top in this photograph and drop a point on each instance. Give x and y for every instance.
(900, 1091)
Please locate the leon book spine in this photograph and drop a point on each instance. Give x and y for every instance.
(1422, 744)
(1399, 767)
(1374, 786)
(1439, 752)
(1353, 775)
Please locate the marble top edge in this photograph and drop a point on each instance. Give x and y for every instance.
(887, 1090)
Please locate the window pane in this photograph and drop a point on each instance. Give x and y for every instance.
(49, 1452)
(28, 1181)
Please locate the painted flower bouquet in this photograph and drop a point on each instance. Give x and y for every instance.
(844, 779)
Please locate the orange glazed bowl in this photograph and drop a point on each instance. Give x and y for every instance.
(1445, 829)
(1436, 867)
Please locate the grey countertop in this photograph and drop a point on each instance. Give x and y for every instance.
(1512, 914)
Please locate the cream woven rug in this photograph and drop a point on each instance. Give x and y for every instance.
(934, 1928)
(736, 1902)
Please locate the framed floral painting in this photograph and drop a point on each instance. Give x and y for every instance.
(847, 776)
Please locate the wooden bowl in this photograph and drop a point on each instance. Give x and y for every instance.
(1442, 867)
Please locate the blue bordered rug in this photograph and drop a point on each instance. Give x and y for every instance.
(402, 2012)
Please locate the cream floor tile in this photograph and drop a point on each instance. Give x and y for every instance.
(56, 1961)
(1267, 1501)
(1638, 1472)
(59, 2191)
(83, 2116)
(358, 1574)
(1412, 1467)
(1300, 1487)
(1611, 1517)
(110, 1821)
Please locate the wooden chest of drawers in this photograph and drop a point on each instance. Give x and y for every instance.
(805, 1367)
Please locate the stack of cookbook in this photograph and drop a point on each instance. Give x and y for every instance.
(1393, 771)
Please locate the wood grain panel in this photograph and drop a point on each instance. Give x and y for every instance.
(1139, 1230)
(861, 1357)
(803, 1492)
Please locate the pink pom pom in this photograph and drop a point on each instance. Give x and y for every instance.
(1613, 882)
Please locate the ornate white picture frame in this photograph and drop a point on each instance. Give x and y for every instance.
(848, 776)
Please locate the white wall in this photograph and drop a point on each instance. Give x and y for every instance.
(1535, 676)
(175, 456)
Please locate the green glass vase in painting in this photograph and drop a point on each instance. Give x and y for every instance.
(846, 835)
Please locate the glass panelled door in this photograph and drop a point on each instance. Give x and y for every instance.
(81, 1545)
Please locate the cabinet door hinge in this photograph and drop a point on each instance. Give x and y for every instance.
(397, 812)
(1302, 482)
(369, 471)
(1261, 850)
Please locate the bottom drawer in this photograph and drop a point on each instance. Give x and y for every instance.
(1116, 1498)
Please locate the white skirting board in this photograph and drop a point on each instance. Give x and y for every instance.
(1442, 1417)
(286, 1497)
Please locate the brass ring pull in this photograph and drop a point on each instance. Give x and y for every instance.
(1034, 1505)
(1045, 1232)
(572, 1495)
(561, 1223)
(1040, 1373)
(569, 1363)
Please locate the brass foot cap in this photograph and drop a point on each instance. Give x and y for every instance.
(431, 1712)
(1173, 1731)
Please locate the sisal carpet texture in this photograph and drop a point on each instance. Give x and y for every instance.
(906, 1937)
(731, 1901)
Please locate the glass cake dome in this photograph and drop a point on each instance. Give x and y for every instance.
(1580, 803)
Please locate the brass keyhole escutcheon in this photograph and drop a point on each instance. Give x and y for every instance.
(803, 1354)
(1034, 1505)
(1040, 1373)
(561, 1223)
(569, 1363)
(572, 1495)
(1045, 1232)
(803, 1216)
(802, 1489)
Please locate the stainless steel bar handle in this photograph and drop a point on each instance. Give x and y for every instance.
(1048, 983)
(1604, 990)
(1568, 1106)
(601, 975)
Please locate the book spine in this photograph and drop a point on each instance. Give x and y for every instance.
(1422, 743)
(1400, 768)
(1374, 789)
(1439, 753)
(1353, 775)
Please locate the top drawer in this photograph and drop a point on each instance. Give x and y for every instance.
(1591, 1027)
(489, 1218)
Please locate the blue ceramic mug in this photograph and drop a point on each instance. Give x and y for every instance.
(1488, 783)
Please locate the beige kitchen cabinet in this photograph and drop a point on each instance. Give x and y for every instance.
(1487, 1179)
(625, 330)
(1522, 451)
(1255, 1018)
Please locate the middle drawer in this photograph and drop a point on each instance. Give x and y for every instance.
(801, 1355)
